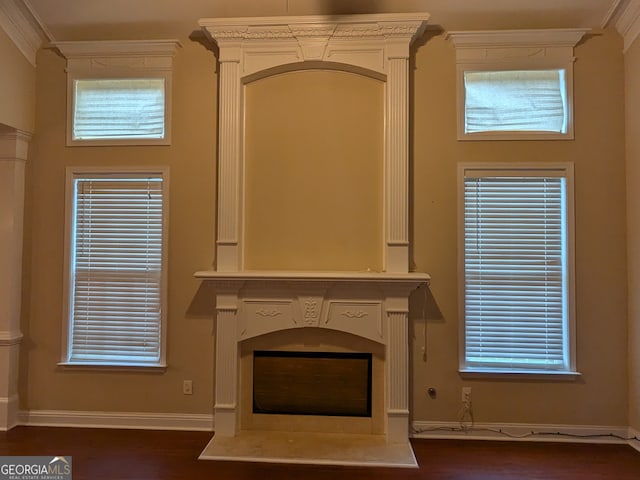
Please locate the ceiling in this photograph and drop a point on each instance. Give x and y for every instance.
(133, 19)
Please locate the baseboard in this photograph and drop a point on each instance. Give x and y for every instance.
(127, 420)
(8, 412)
(634, 435)
(523, 432)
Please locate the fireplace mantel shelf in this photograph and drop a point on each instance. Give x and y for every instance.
(417, 278)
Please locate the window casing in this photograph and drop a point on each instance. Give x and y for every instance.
(516, 263)
(515, 84)
(115, 281)
(119, 92)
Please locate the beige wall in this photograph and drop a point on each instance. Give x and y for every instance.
(191, 246)
(599, 397)
(17, 87)
(632, 83)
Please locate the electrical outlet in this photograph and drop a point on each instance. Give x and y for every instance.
(187, 387)
(466, 395)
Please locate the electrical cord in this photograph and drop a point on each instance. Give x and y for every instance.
(469, 429)
(465, 417)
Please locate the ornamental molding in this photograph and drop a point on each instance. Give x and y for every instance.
(289, 27)
(119, 54)
(14, 145)
(495, 45)
(24, 27)
(9, 338)
(268, 313)
(628, 22)
(354, 314)
(376, 46)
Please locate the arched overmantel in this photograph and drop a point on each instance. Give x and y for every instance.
(376, 45)
(310, 65)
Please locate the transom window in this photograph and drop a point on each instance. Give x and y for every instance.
(119, 108)
(515, 84)
(119, 91)
(515, 100)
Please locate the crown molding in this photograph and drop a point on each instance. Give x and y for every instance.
(540, 38)
(124, 54)
(628, 21)
(24, 27)
(118, 48)
(544, 46)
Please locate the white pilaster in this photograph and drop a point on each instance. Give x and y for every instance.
(227, 360)
(397, 165)
(13, 156)
(229, 166)
(397, 366)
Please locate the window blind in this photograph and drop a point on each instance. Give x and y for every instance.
(519, 100)
(129, 108)
(117, 271)
(515, 281)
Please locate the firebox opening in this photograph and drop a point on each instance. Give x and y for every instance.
(312, 383)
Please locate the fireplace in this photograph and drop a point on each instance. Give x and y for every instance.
(312, 312)
(311, 383)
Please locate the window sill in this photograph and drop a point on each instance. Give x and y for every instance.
(112, 367)
(519, 374)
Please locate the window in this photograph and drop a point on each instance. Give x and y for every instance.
(515, 100)
(515, 84)
(119, 92)
(116, 261)
(117, 108)
(517, 269)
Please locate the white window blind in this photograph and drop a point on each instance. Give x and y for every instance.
(125, 108)
(117, 271)
(515, 100)
(515, 271)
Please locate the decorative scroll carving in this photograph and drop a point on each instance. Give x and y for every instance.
(354, 314)
(289, 28)
(376, 30)
(268, 313)
(324, 31)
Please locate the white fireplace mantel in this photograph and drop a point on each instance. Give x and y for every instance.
(370, 305)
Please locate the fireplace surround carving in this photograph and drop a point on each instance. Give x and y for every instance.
(370, 305)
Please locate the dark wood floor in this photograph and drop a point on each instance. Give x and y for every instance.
(152, 455)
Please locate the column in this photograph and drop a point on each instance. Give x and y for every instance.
(13, 156)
